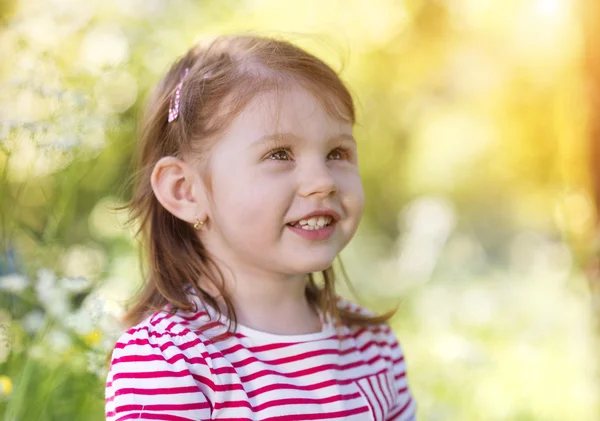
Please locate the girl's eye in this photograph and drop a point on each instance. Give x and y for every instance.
(279, 153)
(283, 154)
(340, 152)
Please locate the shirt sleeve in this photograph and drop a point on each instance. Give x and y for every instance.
(150, 378)
(404, 409)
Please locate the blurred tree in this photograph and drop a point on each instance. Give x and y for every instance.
(591, 25)
(7, 9)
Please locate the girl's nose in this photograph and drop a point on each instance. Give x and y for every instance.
(317, 181)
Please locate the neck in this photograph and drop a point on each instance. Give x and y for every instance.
(272, 303)
(276, 306)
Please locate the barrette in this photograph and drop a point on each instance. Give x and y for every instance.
(174, 102)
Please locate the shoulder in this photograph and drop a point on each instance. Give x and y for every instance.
(352, 307)
(382, 330)
(161, 342)
(379, 334)
(158, 363)
(158, 332)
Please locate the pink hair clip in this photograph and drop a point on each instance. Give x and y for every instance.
(174, 105)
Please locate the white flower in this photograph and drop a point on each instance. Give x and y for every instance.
(96, 310)
(33, 321)
(13, 283)
(75, 285)
(79, 321)
(95, 364)
(46, 278)
(54, 299)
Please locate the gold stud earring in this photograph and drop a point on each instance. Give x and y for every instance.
(199, 224)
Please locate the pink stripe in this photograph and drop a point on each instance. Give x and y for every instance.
(270, 347)
(171, 360)
(196, 316)
(287, 386)
(368, 401)
(289, 401)
(399, 376)
(374, 390)
(154, 334)
(234, 419)
(156, 319)
(217, 387)
(298, 357)
(401, 410)
(315, 386)
(164, 407)
(166, 345)
(398, 360)
(312, 370)
(285, 360)
(157, 390)
(325, 416)
(150, 416)
(209, 326)
(385, 390)
(152, 374)
(353, 335)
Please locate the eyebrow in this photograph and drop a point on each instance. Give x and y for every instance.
(279, 137)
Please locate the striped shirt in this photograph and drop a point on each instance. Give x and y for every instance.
(168, 368)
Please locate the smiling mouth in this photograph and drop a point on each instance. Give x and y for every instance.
(314, 233)
(313, 224)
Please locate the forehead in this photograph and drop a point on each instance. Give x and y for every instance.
(294, 111)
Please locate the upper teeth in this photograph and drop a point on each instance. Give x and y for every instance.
(315, 222)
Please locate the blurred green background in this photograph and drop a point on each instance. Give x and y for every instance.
(477, 148)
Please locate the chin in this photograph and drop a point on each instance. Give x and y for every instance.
(315, 265)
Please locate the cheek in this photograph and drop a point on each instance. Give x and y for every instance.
(353, 193)
(250, 200)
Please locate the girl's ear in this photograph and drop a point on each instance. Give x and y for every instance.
(174, 185)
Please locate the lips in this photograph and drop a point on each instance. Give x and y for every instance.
(328, 219)
(320, 234)
(316, 213)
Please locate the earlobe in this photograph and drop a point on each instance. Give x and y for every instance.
(173, 186)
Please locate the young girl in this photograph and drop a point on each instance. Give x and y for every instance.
(248, 188)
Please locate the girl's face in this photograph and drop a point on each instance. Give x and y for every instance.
(260, 185)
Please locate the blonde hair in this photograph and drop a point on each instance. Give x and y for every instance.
(224, 75)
